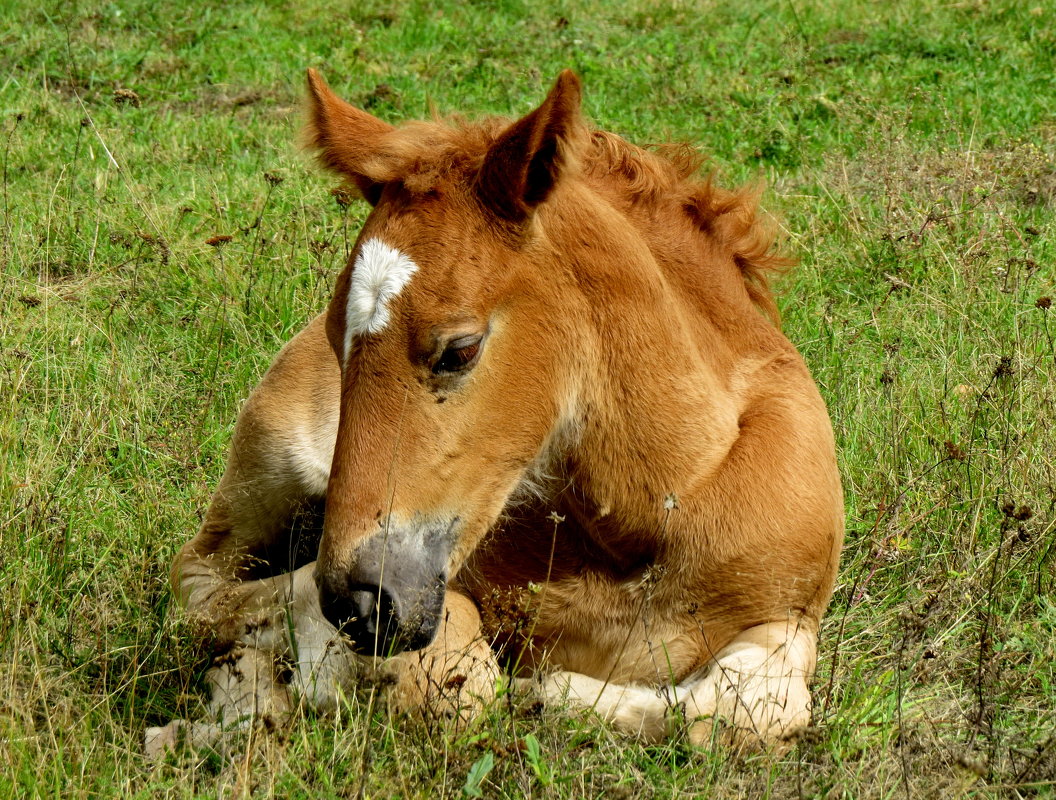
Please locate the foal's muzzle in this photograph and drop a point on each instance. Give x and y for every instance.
(393, 597)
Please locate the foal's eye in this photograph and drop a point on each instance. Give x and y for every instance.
(458, 355)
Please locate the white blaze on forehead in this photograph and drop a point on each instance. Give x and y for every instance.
(379, 274)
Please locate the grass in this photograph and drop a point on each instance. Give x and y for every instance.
(910, 151)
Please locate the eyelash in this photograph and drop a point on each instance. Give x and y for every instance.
(456, 358)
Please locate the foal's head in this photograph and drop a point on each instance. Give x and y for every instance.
(456, 375)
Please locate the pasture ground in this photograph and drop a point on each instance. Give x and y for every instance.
(910, 152)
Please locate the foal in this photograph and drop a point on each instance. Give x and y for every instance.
(555, 427)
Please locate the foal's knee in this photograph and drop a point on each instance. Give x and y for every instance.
(455, 676)
(448, 684)
(752, 719)
(755, 694)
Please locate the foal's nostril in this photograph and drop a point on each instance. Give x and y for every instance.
(375, 610)
(364, 604)
(367, 615)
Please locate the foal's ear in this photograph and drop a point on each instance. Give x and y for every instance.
(347, 140)
(527, 160)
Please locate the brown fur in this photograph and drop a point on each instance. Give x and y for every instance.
(639, 467)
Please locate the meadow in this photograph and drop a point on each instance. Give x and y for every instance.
(161, 236)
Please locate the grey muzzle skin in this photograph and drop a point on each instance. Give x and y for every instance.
(392, 598)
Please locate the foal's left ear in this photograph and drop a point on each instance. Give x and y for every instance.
(526, 162)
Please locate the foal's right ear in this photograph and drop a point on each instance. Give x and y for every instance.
(347, 139)
(528, 159)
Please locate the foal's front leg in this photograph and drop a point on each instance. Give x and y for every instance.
(286, 654)
(753, 695)
(455, 676)
(452, 678)
(243, 690)
(280, 459)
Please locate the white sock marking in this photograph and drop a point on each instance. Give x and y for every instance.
(379, 274)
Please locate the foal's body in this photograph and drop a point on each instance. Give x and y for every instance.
(663, 526)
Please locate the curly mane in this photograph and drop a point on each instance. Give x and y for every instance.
(670, 171)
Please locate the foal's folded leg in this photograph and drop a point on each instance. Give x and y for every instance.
(455, 676)
(287, 652)
(323, 668)
(243, 691)
(752, 696)
(642, 711)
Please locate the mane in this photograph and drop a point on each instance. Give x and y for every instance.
(732, 217)
(426, 151)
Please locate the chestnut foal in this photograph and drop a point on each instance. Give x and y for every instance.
(555, 427)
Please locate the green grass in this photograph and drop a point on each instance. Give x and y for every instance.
(910, 150)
